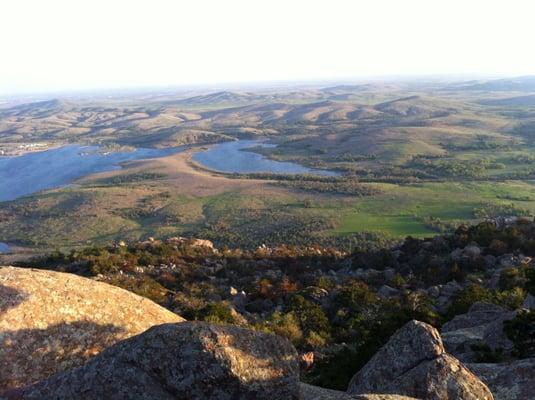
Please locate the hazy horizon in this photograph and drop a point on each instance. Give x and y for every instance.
(70, 46)
(250, 86)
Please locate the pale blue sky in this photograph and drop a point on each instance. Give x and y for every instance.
(53, 45)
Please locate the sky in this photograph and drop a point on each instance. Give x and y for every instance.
(69, 45)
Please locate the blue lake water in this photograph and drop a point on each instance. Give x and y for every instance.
(32, 172)
(4, 248)
(230, 157)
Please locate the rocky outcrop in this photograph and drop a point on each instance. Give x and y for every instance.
(443, 294)
(508, 381)
(413, 344)
(191, 360)
(176, 240)
(309, 392)
(414, 363)
(482, 325)
(53, 321)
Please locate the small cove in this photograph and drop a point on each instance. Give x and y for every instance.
(233, 157)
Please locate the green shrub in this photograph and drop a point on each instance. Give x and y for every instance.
(310, 316)
(511, 278)
(336, 369)
(521, 331)
(218, 313)
(511, 299)
(286, 325)
(462, 302)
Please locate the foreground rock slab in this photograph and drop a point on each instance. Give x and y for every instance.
(309, 392)
(414, 363)
(52, 321)
(190, 360)
(508, 381)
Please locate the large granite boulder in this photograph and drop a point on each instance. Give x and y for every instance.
(414, 363)
(482, 325)
(52, 321)
(508, 381)
(190, 360)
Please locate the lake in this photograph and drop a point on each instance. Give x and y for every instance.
(33, 172)
(231, 157)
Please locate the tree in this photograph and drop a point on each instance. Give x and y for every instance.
(310, 316)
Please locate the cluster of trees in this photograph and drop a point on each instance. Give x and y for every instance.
(482, 142)
(349, 185)
(490, 211)
(455, 168)
(131, 178)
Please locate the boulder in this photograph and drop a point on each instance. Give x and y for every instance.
(306, 360)
(389, 274)
(201, 243)
(450, 289)
(309, 392)
(443, 295)
(508, 381)
(482, 325)
(490, 261)
(53, 321)
(472, 251)
(456, 254)
(240, 300)
(386, 291)
(233, 291)
(190, 360)
(433, 291)
(414, 363)
(511, 261)
(315, 293)
(529, 302)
